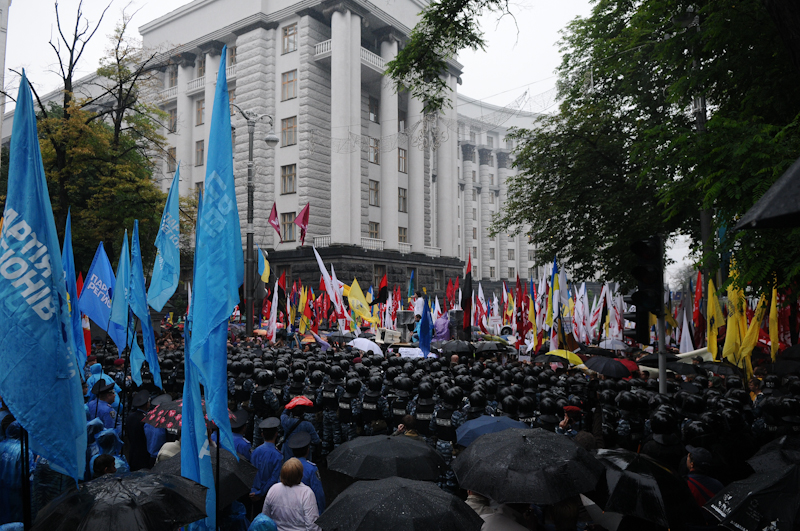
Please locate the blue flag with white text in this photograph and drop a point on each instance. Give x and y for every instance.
(137, 299)
(68, 264)
(121, 318)
(167, 266)
(425, 329)
(39, 379)
(95, 301)
(219, 264)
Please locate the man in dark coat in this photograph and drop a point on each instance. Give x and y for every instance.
(139, 456)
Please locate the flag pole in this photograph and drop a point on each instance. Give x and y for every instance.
(26, 481)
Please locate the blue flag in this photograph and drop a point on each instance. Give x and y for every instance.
(68, 264)
(95, 301)
(219, 265)
(411, 285)
(168, 261)
(425, 329)
(39, 379)
(120, 328)
(137, 299)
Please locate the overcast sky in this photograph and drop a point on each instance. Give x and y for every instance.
(522, 52)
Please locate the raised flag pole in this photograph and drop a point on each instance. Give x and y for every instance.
(249, 273)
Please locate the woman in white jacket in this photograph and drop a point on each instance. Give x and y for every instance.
(291, 503)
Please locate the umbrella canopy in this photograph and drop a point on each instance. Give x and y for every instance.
(133, 502)
(526, 466)
(458, 347)
(781, 453)
(784, 367)
(608, 367)
(559, 356)
(235, 476)
(597, 351)
(169, 414)
(635, 485)
(368, 335)
(767, 500)
(382, 456)
(683, 368)
(340, 337)
(777, 208)
(472, 429)
(723, 368)
(651, 360)
(791, 353)
(630, 364)
(489, 346)
(613, 344)
(398, 504)
(362, 343)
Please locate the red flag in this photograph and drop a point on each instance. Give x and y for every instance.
(273, 220)
(302, 221)
(87, 331)
(383, 292)
(698, 297)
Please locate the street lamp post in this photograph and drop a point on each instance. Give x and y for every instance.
(249, 271)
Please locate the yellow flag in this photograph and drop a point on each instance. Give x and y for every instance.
(302, 306)
(715, 318)
(532, 320)
(734, 335)
(358, 303)
(773, 322)
(670, 319)
(751, 337)
(345, 290)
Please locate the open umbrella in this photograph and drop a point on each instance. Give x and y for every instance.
(235, 476)
(608, 367)
(781, 453)
(132, 502)
(686, 369)
(362, 343)
(457, 346)
(472, 429)
(489, 346)
(559, 356)
(777, 208)
(630, 364)
(398, 504)
(764, 501)
(722, 368)
(382, 456)
(613, 344)
(651, 360)
(637, 486)
(169, 414)
(526, 466)
(340, 337)
(784, 367)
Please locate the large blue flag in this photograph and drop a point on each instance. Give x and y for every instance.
(137, 299)
(168, 260)
(425, 329)
(219, 264)
(121, 318)
(39, 379)
(68, 264)
(95, 301)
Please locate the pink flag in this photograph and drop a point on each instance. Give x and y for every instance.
(302, 221)
(273, 220)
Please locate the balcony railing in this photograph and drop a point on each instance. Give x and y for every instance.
(230, 73)
(433, 251)
(196, 84)
(322, 241)
(405, 248)
(169, 94)
(372, 59)
(373, 244)
(323, 47)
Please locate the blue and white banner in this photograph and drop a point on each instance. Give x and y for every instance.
(167, 266)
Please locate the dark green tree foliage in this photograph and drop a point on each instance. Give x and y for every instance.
(624, 159)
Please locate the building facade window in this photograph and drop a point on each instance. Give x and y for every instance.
(491, 271)
(489, 141)
(172, 77)
(374, 193)
(199, 112)
(474, 194)
(491, 199)
(509, 144)
(172, 163)
(402, 234)
(199, 152)
(531, 255)
(374, 151)
(201, 65)
(287, 226)
(474, 176)
(374, 109)
(289, 179)
(402, 200)
(512, 273)
(438, 279)
(285, 270)
(401, 121)
(402, 160)
(172, 120)
(289, 85)
(289, 131)
(290, 38)
(199, 189)
(374, 230)
(475, 214)
(475, 253)
(491, 179)
(378, 270)
(474, 233)
(472, 136)
(491, 253)
(511, 254)
(232, 100)
(231, 55)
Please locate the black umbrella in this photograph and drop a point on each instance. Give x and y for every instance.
(340, 337)
(235, 477)
(781, 453)
(458, 347)
(132, 502)
(382, 456)
(683, 368)
(767, 500)
(596, 351)
(607, 367)
(398, 504)
(526, 466)
(468, 432)
(777, 208)
(723, 368)
(651, 360)
(784, 367)
(637, 486)
(792, 353)
(489, 346)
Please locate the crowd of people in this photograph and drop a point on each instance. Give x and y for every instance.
(292, 406)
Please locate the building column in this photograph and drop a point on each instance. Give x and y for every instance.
(452, 186)
(467, 152)
(389, 159)
(185, 138)
(485, 215)
(357, 186)
(502, 239)
(340, 128)
(416, 179)
(445, 186)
